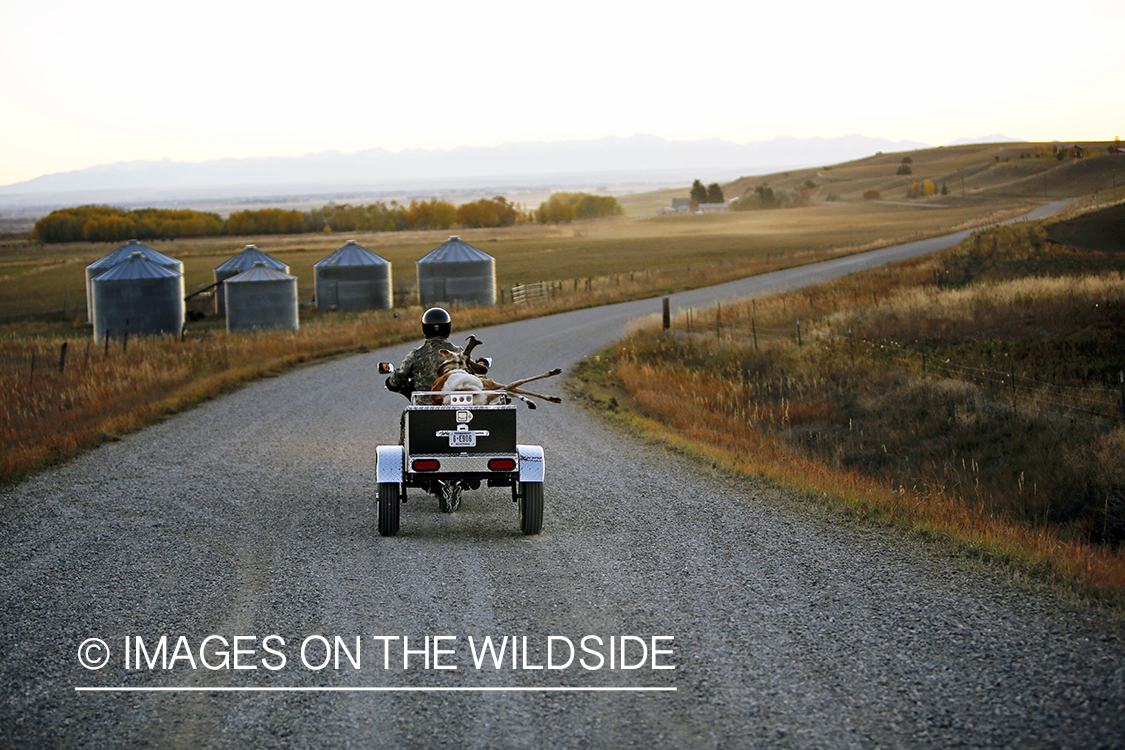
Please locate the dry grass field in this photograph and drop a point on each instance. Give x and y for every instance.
(985, 183)
(38, 281)
(972, 174)
(975, 395)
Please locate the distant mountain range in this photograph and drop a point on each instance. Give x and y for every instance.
(602, 159)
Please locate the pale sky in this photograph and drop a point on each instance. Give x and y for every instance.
(86, 83)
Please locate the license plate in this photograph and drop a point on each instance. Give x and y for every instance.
(462, 439)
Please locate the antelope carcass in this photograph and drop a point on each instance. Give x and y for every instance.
(461, 373)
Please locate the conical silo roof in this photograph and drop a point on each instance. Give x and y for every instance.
(261, 298)
(260, 271)
(100, 266)
(137, 266)
(137, 297)
(126, 251)
(353, 254)
(245, 260)
(455, 250)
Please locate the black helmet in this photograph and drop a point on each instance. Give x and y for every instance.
(436, 322)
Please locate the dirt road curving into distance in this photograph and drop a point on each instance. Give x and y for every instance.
(244, 530)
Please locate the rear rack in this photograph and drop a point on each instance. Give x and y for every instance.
(455, 398)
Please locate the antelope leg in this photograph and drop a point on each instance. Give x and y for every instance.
(552, 399)
(516, 383)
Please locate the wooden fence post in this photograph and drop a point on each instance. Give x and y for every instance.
(1012, 377)
(667, 312)
(1121, 377)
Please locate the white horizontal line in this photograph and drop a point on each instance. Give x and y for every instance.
(401, 689)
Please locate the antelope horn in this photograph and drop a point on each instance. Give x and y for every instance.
(473, 366)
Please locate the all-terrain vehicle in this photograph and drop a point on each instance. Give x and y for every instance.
(455, 445)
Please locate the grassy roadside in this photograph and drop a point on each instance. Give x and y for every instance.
(981, 412)
(60, 396)
(1088, 573)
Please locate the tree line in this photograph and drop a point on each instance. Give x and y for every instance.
(107, 224)
(566, 207)
(93, 223)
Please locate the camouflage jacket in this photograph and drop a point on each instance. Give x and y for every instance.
(421, 365)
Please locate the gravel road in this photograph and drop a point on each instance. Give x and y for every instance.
(248, 525)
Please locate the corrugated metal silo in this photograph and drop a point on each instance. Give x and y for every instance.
(455, 271)
(261, 298)
(138, 297)
(123, 253)
(353, 278)
(242, 261)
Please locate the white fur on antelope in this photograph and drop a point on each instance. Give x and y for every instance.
(461, 381)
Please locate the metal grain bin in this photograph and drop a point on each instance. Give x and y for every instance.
(455, 271)
(261, 298)
(137, 297)
(121, 254)
(353, 278)
(242, 261)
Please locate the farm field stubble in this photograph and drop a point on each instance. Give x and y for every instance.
(50, 280)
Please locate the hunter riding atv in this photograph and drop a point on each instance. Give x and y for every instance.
(457, 441)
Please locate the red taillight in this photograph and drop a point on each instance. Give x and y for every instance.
(426, 464)
(502, 464)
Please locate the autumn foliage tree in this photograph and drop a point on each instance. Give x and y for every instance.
(565, 207)
(266, 221)
(108, 224)
(494, 212)
(431, 214)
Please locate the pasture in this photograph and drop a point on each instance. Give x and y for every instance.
(37, 282)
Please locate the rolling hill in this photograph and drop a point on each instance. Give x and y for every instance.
(969, 172)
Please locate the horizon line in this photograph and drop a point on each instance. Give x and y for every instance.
(410, 150)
